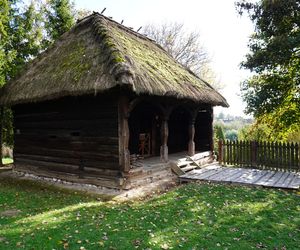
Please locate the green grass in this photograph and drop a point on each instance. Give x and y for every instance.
(193, 216)
(7, 161)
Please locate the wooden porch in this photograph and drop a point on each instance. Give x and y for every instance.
(152, 169)
(266, 178)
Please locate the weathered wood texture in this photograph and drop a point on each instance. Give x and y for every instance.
(263, 155)
(266, 178)
(81, 132)
(123, 130)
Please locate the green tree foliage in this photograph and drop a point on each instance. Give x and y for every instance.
(60, 16)
(25, 37)
(231, 135)
(219, 133)
(25, 31)
(4, 19)
(255, 132)
(273, 93)
(21, 40)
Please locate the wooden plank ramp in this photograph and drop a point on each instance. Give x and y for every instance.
(267, 178)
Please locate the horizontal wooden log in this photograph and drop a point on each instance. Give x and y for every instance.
(69, 168)
(102, 140)
(65, 145)
(53, 161)
(68, 153)
(85, 178)
(69, 124)
(103, 162)
(101, 112)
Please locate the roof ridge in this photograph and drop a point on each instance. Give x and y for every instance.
(132, 32)
(139, 35)
(125, 27)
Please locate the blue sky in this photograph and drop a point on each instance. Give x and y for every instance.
(224, 33)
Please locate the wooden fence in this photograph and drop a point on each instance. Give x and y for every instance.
(262, 155)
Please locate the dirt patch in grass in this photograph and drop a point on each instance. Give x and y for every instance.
(10, 213)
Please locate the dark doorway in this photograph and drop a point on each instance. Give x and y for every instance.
(144, 127)
(178, 130)
(203, 131)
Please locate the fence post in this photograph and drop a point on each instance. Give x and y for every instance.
(253, 153)
(220, 151)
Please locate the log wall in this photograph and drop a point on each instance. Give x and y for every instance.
(71, 135)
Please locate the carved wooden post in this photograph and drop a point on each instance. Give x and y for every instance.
(164, 139)
(191, 146)
(124, 154)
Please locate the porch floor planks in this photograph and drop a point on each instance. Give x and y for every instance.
(250, 176)
(295, 183)
(267, 178)
(282, 180)
(194, 174)
(272, 180)
(221, 174)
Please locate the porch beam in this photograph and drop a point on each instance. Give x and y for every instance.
(164, 152)
(191, 144)
(124, 154)
(164, 140)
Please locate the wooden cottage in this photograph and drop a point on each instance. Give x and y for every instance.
(101, 102)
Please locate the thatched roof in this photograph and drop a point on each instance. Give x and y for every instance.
(98, 54)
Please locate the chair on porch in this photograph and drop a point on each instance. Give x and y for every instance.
(144, 145)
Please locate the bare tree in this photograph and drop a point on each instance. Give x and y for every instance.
(185, 47)
(81, 13)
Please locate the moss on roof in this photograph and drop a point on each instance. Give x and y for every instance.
(99, 54)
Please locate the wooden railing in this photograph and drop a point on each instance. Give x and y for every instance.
(262, 155)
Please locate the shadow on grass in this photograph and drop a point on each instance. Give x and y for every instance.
(191, 216)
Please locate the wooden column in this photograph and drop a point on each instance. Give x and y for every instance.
(164, 139)
(153, 137)
(191, 145)
(124, 154)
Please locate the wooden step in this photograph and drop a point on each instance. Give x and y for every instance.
(183, 163)
(189, 168)
(176, 169)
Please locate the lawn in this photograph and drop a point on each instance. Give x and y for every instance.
(194, 216)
